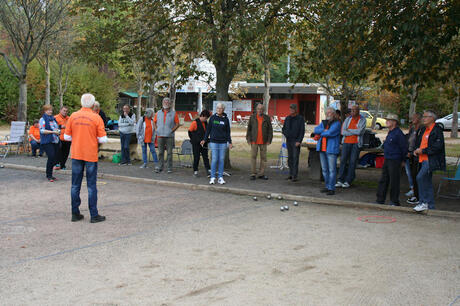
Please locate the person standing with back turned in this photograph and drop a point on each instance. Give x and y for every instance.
(85, 129)
(294, 131)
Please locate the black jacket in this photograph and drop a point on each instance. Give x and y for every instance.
(197, 136)
(218, 129)
(436, 150)
(294, 128)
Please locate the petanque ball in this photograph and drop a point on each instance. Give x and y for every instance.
(282, 208)
(254, 198)
(286, 207)
(295, 203)
(280, 197)
(1, 166)
(269, 197)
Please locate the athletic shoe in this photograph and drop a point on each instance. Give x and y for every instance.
(195, 173)
(56, 168)
(50, 179)
(263, 177)
(410, 193)
(77, 217)
(212, 181)
(97, 219)
(330, 192)
(413, 201)
(169, 171)
(345, 185)
(421, 207)
(129, 164)
(221, 181)
(143, 166)
(339, 184)
(157, 170)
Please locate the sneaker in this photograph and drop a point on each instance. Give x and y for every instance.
(421, 207)
(330, 192)
(143, 166)
(97, 219)
(77, 217)
(413, 201)
(157, 170)
(295, 179)
(129, 164)
(169, 171)
(410, 193)
(195, 173)
(56, 168)
(221, 181)
(263, 177)
(122, 164)
(212, 181)
(339, 184)
(50, 179)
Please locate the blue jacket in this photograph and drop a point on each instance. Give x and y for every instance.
(218, 129)
(395, 145)
(332, 135)
(294, 128)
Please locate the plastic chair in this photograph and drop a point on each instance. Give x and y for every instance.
(449, 179)
(16, 137)
(186, 151)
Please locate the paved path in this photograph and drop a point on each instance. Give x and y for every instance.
(166, 246)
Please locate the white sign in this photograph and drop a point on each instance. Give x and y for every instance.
(228, 109)
(242, 105)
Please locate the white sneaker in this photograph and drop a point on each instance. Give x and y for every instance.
(413, 201)
(221, 181)
(345, 185)
(410, 193)
(195, 173)
(143, 166)
(212, 181)
(339, 184)
(421, 207)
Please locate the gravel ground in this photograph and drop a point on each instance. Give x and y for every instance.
(165, 246)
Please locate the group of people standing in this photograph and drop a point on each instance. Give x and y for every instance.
(421, 152)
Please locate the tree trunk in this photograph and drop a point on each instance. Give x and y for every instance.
(454, 130)
(22, 106)
(345, 97)
(139, 103)
(47, 80)
(267, 85)
(413, 99)
(374, 120)
(222, 84)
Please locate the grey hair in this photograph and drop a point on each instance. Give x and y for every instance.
(330, 109)
(149, 112)
(261, 105)
(431, 113)
(220, 105)
(87, 100)
(166, 100)
(96, 105)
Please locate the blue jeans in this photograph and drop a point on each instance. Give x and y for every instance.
(425, 185)
(409, 173)
(125, 139)
(218, 158)
(152, 150)
(36, 146)
(329, 169)
(348, 160)
(78, 168)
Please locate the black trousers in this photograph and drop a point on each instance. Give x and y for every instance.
(391, 173)
(51, 150)
(293, 158)
(414, 167)
(64, 149)
(197, 151)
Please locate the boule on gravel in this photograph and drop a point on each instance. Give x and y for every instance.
(286, 207)
(254, 198)
(282, 208)
(295, 203)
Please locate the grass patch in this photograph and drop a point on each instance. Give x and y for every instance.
(452, 150)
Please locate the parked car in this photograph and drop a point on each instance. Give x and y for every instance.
(446, 122)
(380, 123)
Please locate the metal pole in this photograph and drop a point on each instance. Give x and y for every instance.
(200, 100)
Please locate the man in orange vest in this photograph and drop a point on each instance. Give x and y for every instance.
(34, 138)
(86, 130)
(64, 146)
(431, 157)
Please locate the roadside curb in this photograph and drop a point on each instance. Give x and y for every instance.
(239, 191)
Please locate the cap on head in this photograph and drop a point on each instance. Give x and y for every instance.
(87, 100)
(392, 117)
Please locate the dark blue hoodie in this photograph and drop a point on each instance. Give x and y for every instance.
(218, 129)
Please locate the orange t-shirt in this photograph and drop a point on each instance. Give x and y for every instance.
(193, 127)
(148, 133)
(324, 143)
(85, 127)
(260, 138)
(62, 121)
(424, 144)
(353, 125)
(34, 131)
